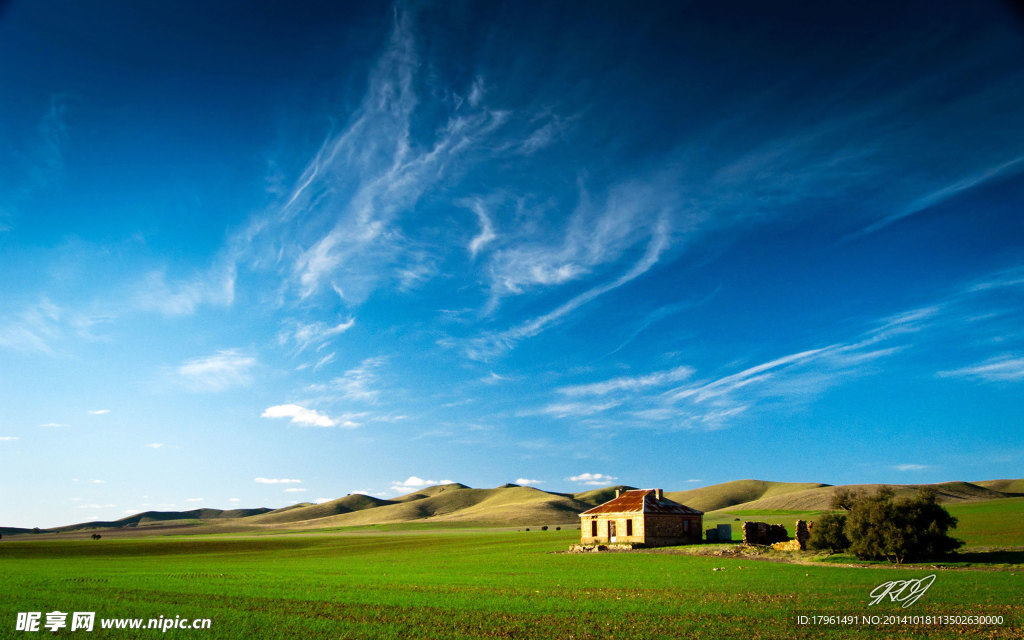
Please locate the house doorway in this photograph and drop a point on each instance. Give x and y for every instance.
(611, 532)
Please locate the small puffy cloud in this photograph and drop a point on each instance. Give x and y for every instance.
(295, 490)
(694, 480)
(911, 467)
(53, 424)
(99, 482)
(527, 481)
(193, 499)
(156, 445)
(596, 479)
(95, 506)
(8, 438)
(223, 370)
(305, 417)
(322, 500)
(413, 483)
(276, 481)
(234, 499)
(98, 412)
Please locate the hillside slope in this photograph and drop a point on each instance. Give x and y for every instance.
(150, 518)
(508, 506)
(306, 511)
(728, 494)
(1010, 487)
(820, 499)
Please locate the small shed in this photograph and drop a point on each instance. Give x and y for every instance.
(642, 517)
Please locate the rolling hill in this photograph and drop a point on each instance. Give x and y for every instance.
(149, 518)
(820, 498)
(730, 494)
(509, 505)
(307, 511)
(1011, 487)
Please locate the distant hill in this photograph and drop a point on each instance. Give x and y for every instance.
(729, 494)
(1011, 487)
(820, 499)
(458, 503)
(307, 511)
(508, 505)
(595, 497)
(164, 517)
(429, 492)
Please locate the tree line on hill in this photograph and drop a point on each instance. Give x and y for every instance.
(884, 527)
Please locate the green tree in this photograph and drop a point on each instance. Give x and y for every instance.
(827, 534)
(898, 530)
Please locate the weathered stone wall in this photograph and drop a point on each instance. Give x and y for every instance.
(762, 533)
(665, 530)
(621, 527)
(652, 530)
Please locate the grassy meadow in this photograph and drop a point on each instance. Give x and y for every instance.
(470, 583)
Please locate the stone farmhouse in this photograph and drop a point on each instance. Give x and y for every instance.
(643, 517)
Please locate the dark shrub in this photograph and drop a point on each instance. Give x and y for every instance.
(827, 534)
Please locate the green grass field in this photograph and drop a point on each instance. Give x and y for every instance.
(471, 583)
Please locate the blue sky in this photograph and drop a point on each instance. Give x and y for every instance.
(255, 256)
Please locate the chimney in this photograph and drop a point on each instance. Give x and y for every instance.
(617, 492)
(658, 494)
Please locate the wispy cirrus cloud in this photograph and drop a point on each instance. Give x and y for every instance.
(358, 383)
(658, 378)
(218, 372)
(276, 481)
(494, 344)
(313, 334)
(487, 234)
(170, 297)
(45, 326)
(1002, 368)
(911, 467)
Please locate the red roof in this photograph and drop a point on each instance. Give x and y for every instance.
(642, 501)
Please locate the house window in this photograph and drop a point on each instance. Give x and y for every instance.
(686, 526)
(629, 527)
(593, 528)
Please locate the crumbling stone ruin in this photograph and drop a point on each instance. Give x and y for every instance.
(762, 533)
(799, 543)
(803, 533)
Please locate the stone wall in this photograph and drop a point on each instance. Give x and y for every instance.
(762, 533)
(652, 530)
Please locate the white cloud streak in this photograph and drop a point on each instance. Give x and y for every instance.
(486, 235)
(592, 479)
(276, 481)
(300, 415)
(223, 370)
(1004, 368)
